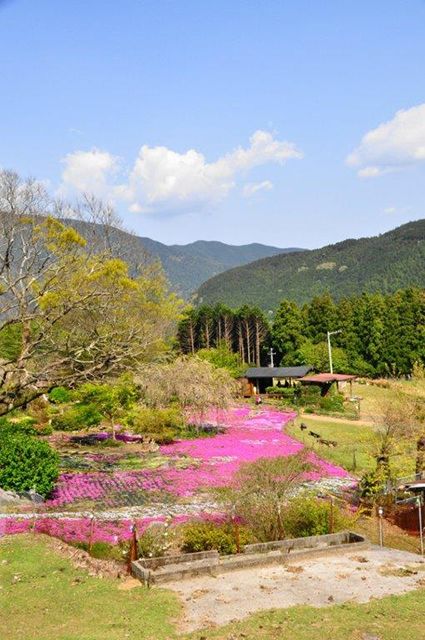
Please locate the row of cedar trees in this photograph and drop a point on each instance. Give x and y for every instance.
(381, 335)
(243, 330)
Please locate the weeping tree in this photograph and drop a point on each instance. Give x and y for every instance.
(72, 313)
(196, 385)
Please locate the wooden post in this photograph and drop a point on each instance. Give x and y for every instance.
(91, 532)
(331, 523)
(133, 552)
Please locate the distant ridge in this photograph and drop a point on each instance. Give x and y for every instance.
(383, 263)
(187, 266)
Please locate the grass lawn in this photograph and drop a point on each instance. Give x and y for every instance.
(42, 597)
(356, 445)
(355, 442)
(374, 398)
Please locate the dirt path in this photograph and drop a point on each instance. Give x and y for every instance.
(355, 577)
(318, 418)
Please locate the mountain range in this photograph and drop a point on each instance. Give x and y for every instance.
(186, 266)
(381, 263)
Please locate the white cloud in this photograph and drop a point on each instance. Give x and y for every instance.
(163, 179)
(390, 210)
(392, 145)
(252, 188)
(88, 171)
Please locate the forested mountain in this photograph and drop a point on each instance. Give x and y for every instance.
(382, 263)
(186, 266)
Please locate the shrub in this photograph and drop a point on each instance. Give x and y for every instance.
(27, 463)
(372, 484)
(309, 395)
(162, 425)
(285, 392)
(311, 516)
(333, 403)
(156, 541)
(24, 427)
(205, 536)
(60, 395)
(77, 418)
(261, 491)
(104, 550)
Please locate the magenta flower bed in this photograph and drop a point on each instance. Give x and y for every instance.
(247, 438)
(82, 529)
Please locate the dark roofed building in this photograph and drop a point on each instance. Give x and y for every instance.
(262, 377)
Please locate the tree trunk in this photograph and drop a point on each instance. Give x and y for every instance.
(257, 343)
(192, 338)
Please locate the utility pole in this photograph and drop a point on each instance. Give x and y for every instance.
(271, 354)
(329, 334)
(421, 530)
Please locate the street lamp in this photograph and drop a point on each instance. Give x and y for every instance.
(329, 334)
(381, 529)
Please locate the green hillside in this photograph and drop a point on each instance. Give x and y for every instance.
(382, 263)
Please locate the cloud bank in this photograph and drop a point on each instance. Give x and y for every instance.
(165, 180)
(393, 145)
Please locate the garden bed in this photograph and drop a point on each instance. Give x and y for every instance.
(175, 568)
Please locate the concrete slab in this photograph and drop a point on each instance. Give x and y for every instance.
(350, 575)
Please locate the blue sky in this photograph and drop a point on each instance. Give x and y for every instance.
(238, 121)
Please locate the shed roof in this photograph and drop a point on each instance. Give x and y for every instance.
(278, 372)
(321, 378)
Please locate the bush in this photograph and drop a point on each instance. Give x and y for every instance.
(285, 392)
(24, 427)
(311, 516)
(309, 395)
(104, 550)
(27, 463)
(60, 395)
(156, 541)
(372, 485)
(260, 492)
(205, 536)
(162, 425)
(332, 403)
(77, 418)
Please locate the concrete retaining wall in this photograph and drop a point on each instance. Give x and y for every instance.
(189, 565)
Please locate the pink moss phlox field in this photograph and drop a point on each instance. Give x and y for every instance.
(81, 530)
(247, 437)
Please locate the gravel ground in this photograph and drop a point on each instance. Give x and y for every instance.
(355, 577)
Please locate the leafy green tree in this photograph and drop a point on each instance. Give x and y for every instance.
(188, 331)
(317, 356)
(320, 316)
(112, 400)
(222, 358)
(288, 333)
(78, 315)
